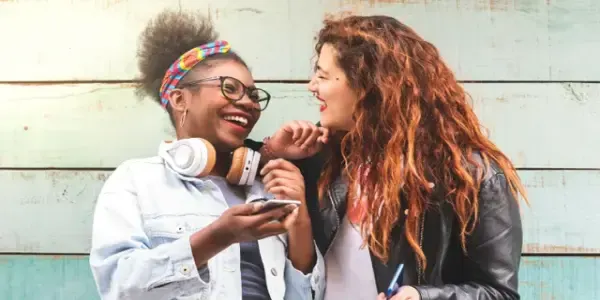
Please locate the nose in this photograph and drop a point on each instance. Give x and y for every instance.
(312, 85)
(247, 104)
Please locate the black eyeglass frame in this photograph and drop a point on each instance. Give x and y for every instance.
(246, 90)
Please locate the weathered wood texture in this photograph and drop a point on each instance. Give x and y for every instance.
(553, 278)
(48, 211)
(52, 211)
(549, 125)
(56, 277)
(100, 125)
(481, 40)
(69, 277)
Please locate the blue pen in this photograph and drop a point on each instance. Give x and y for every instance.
(394, 283)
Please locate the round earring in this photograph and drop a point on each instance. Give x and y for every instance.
(182, 121)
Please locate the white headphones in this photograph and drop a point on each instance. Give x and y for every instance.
(196, 157)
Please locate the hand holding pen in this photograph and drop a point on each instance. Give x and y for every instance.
(395, 292)
(404, 293)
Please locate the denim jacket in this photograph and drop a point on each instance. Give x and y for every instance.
(143, 219)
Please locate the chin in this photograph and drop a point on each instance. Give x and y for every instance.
(229, 143)
(329, 124)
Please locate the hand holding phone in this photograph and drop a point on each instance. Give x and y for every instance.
(269, 204)
(248, 222)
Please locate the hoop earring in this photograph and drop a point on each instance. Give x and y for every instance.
(183, 116)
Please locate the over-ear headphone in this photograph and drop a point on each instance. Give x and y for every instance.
(196, 157)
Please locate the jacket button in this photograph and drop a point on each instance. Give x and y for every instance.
(185, 270)
(273, 271)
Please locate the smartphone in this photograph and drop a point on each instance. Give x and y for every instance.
(275, 203)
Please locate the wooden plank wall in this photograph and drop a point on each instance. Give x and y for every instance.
(70, 116)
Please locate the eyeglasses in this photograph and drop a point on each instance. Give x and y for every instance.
(234, 90)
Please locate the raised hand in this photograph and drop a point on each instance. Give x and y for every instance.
(298, 139)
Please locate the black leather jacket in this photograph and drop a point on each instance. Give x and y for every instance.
(488, 271)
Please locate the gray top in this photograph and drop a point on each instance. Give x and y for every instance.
(254, 285)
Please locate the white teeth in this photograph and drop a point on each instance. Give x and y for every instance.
(243, 121)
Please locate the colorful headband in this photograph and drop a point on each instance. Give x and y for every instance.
(185, 63)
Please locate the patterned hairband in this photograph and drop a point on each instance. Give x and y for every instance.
(185, 63)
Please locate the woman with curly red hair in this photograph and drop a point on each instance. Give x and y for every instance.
(407, 172)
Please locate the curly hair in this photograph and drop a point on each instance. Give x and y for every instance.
(413, 126)
(165, 38)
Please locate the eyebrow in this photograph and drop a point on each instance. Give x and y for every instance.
(319, 68)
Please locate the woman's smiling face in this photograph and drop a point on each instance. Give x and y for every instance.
(331, 87)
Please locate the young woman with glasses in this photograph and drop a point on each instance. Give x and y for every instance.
(190, 222)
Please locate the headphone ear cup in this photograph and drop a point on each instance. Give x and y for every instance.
(244, 166)
(236, 170)
(211, 158)
(194, 157)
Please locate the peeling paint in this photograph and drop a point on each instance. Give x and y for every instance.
(498, 5)
(578, 97)
(102, 176)
(127, 85)
(372, 3)
(250, 9)
(536, 263)
(536, 248)
(110, 3)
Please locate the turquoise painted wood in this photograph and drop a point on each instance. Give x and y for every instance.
(68, 277)
(52, 211)
(100, 125)
(553, 278)
(481, 40)
(55, 277)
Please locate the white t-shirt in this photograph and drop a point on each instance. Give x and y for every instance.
(348, 266)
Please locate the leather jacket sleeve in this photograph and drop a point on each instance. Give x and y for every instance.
(493, 249)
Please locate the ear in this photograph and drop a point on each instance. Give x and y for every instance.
(177, 100)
